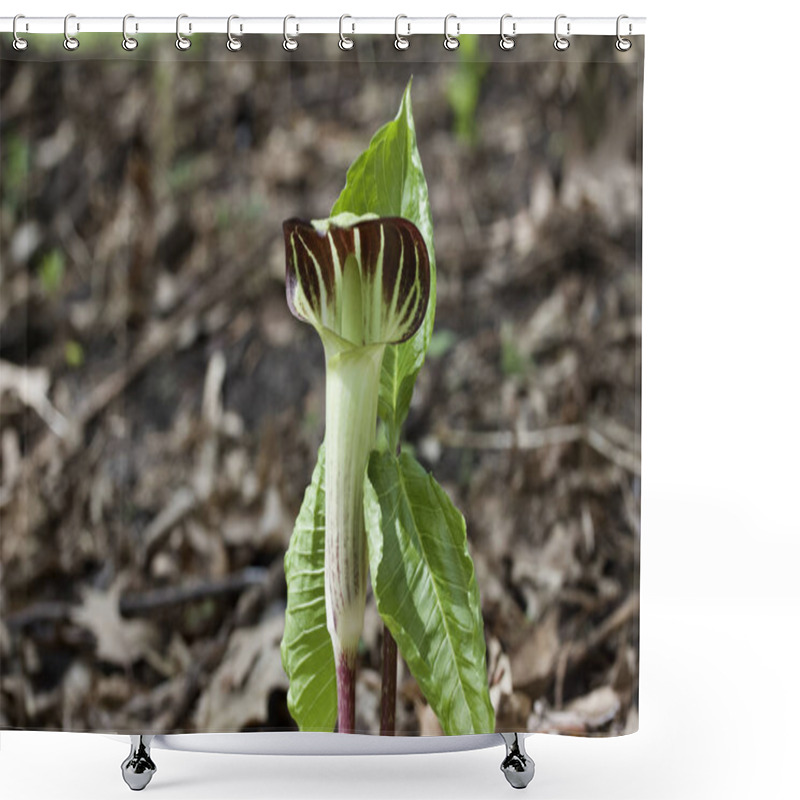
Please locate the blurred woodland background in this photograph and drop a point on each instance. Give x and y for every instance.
(161, 409)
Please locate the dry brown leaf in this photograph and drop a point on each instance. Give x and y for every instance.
(511, 708)
(207, 544)
(533, 663)
(76, 689)
(30, 385)
(12, 457)
(596, 708)
(500, 682)
(182, 502)
(119, 641)
(275, 526)
(238, 692)
(368, 700)
(239, 530)
(155, 709)
(513, 712)
(111, 691)
(555, 564)
(428, 722)
(632, 722)
(549, 322)
(585, 714)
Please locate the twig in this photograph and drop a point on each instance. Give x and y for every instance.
(573, 653)
(618, 619)
(37, 613)
(141, 604)
(623, 614)
(545, 437)
(210, 653)
(622, 458)
(182, 503)
(562, 662)
(510, 440)
(137, 605)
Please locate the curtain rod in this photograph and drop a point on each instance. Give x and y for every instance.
(298, 25)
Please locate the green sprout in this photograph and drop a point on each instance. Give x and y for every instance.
(365, 279)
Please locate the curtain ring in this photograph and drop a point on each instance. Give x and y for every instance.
(70, 42)
(623, 45)
(345, 43)
(128, 42)
(234, 43)
(181, 42)
(401, 42)
(289, 42)
(561, 43)
(19, 43)
(451, 42)
(507, 42)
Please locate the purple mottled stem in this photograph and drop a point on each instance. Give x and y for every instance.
(346, 692)
(388, 684)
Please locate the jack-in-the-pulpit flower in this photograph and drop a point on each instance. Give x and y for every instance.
(363, 283)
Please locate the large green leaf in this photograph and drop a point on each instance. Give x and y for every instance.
(424, 583)
(306, 649)
(387, 180)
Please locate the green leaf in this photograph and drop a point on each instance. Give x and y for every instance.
(424, 583)
(51, 271)
(73, 353)
(399, 369)
(306, 649)
(464, 88)
(387, 180)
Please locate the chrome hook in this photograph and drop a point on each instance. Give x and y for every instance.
(181, 42)
(561, 43)
(128, 42)
(345, 43)
(401, 42)
(623, 45)
(289, 42)
(70, 42)
(234, 43)
(19, 43)
(507, 42)
(451, 42)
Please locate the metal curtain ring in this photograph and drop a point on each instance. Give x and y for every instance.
(289, 42)
(234, 43)
(70, 42)
(401, 42)
(19, 43)
(623, 45)
(181, 42)
(451, 42)
(345, 43)
(561, 43)
(507, 42)
(128, 42)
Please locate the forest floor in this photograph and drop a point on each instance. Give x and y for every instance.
(161, 408)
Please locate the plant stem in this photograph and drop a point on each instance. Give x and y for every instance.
(388, 684)
(346, 695)
(351, 407)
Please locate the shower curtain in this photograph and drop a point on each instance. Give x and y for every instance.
(211, 262)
